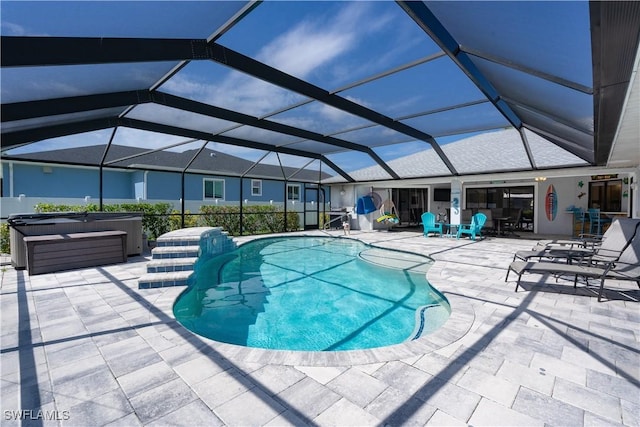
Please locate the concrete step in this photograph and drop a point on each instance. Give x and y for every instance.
(176, 252)
(165, 265)
(163, 280)
(177, 241)
(165, 252)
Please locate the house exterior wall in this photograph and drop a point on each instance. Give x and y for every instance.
(163, 186)
(562, 221)
(41, 183)
(568, 192)
(37, 180)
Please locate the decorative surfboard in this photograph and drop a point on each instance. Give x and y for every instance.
(551, 203)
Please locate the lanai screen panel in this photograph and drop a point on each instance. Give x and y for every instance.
(85, 148)
(497, 150)
(547, 154)
(565, 136)
(142, 141)
(427, 87)
(153, 19)
(413, 159)
(551, 37)
(266, 136)
(460, 120)
(374, 136)
(320, 118)
(360, 166)
(214, 84)
(316, 147)
(551, 99)
(330, 44)
(247, 156)
(60, 119)
(34, 83)
(171, 159)
(537, 55)
(169, 116)
(285, 167)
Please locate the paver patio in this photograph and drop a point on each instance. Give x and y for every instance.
(88, 348)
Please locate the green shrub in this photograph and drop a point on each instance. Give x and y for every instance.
(227, 217)
(159, 218)
(175, 220)
(255, 219)
(155, 216)
(5, 245)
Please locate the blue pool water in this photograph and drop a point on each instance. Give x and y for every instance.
(313, 294)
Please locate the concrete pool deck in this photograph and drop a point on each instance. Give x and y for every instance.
(88, 348)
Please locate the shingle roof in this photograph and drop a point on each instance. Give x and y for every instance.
(495, 151)
(208, 161)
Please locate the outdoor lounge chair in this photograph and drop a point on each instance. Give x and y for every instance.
(616, 239)
(474, 228)
(430, 225)
(609, 248)
(626, 267)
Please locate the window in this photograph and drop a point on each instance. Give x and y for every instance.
(213, 189)
(256, 187)
(509, 201)
(606, 195)
(293, 192)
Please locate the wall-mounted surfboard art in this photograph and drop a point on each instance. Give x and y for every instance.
(551, 203)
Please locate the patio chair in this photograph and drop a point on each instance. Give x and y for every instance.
(430, 225)
(489, 225)
(474, 228)
(596, 222)
(626, 267)
(514, 221)
(579, 219)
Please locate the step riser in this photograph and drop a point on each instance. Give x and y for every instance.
(169, 268)
(162, 284)
(171, 243)
(173, 255)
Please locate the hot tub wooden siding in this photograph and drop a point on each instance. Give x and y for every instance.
(49, 253)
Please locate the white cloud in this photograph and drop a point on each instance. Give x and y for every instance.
(305, 48)
(11, 29)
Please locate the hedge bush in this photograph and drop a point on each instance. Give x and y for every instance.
(5, 244)
(155, 216)
(255, 219)
(160, 218)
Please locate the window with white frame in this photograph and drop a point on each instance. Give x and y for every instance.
(256, 187)
(293, 192)
(214, 189)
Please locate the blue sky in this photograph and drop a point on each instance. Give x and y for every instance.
(334, 45)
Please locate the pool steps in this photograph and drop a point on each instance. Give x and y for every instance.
(173, 259)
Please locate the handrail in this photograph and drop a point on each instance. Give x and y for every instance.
(326, 224)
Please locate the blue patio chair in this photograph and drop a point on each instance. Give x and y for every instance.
(597, 221)
(430, 225)
(473, 229)
(579, 219)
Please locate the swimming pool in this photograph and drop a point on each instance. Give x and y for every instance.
(311, 294)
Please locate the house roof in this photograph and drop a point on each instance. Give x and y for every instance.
(352, 89)
(205, 162)
(495, 152)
